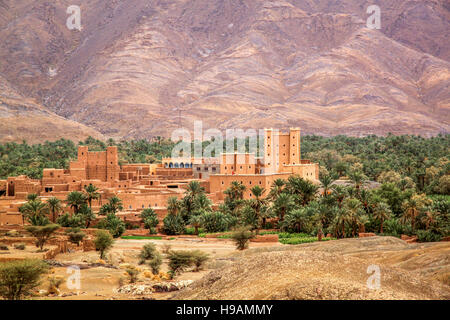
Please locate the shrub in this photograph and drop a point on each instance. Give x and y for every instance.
(428, 236)
(75, 235)
(155, 263)
(199, 258)
(241, 237)
(150, 218)
(166, 248)
(191, 231)
(179, 261)
(103, 242)
(173, 224)
(42, 233)
(54, 282)
(147, 253)
(19, 246)
(114, 224)
(133, 274)
(74, 221)
(19, 278)
(214, 222)
(3, 247)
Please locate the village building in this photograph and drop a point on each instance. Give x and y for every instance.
(145, 185)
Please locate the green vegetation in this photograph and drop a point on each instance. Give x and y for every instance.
(19, 278)
(103, 242)
(241, 237)
(75, 235)
(413, 197)
(21, 158)
(141, 238)
(42, 233)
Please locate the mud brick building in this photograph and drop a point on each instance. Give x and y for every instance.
(144, 185)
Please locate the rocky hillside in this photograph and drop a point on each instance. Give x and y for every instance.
(142, 68)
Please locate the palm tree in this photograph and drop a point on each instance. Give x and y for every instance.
(75, 199)
(258, 202)
(339, 193)
(354, 208)
(430, 217)
(305, 190)
(91, 193)
(115, 204)
(202, 202)
(173, 206)
(298, 219)
(194, 189)
(341, 220)
(236, 191)
(87, 214)
(35, 212)
(382, 212)
(32, 197)
(54, 204)
(276, 188)
(196, 222)
(358, 178)
(326, 182)
(282, 205)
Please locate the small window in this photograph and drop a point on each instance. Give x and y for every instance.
(213, 168)
(250, 182)
(241, 167)
(131, 207)
(143, 206)
(260, 182)
(222, 182)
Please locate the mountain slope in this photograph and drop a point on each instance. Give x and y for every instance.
(23, 119)
(142, 68)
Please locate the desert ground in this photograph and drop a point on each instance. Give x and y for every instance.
(334, 269)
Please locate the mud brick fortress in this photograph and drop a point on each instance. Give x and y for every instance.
(145, 185)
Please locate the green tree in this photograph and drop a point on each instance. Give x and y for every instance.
(35, 212)
(113, 224)
(282, 205)
(103, 242)
(381, 213)
(19, 278)
(75, 200)
(91, 193)
(55, 207)
(42, 233)
(241, 237)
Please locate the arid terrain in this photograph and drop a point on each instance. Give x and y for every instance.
(142, 68)
(327, 270)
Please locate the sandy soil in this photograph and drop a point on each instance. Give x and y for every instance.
(326, 270)
(100, 282)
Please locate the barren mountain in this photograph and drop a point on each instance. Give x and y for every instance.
(23, 119)
(142, 68)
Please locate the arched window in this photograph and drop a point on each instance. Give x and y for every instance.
(171, 165)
